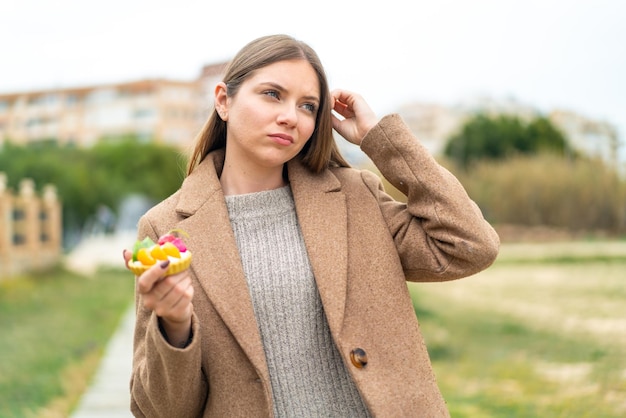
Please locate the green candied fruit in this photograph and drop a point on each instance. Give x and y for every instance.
(145, 243)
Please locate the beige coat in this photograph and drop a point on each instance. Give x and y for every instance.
(362, 245)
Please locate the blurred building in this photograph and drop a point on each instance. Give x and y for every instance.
(173, 112)
(591, 137)
(210, 75)
(30, 228)
(434, 124)
(162, 110)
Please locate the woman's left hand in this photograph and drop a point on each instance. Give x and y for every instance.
(358, 117)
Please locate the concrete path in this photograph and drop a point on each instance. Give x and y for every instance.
(109, 393)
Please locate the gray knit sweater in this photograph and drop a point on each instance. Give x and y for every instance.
(307, 374)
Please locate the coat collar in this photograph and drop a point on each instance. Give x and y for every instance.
(322, 215)
(321, 212)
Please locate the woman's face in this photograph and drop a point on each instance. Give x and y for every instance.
(272, 116)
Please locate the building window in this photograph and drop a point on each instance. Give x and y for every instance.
(19, 239)
(145, 113)
(72, 100)
(18, 215)
(102, 96)
(33, 122)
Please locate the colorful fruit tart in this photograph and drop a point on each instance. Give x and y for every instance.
(147, 253)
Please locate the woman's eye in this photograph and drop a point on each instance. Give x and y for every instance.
(271, 93)
(310, 107)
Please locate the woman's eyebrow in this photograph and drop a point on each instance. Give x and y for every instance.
(273, 85)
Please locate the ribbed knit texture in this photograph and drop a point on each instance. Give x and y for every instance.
(308, 376)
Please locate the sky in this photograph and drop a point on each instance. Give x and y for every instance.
(566, 54)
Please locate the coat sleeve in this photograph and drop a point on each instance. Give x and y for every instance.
(440, 233)
(166, 381)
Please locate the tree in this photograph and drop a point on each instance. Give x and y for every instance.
(87, 179)
(132, 166)
(503, 136)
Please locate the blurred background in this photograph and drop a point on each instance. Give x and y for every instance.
(524, 101)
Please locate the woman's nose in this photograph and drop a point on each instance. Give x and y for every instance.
(288, 115)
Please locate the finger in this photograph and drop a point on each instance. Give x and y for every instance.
(336, 123)
(342, 95)
(339, 96)
(344, 111)
(180, 297)
(150, 277)
(175, 303)
(127, 254)
(341, 108)
(172, 284)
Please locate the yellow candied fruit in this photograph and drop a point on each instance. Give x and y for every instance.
(171, 249)
(158, 253)
(144, 257)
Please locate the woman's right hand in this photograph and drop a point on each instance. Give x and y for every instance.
(169, 297)
(357, 118)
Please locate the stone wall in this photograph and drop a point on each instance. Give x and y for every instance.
(30, 228)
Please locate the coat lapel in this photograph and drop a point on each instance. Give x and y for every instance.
(321, 211)
(216, 258)
(322, 214)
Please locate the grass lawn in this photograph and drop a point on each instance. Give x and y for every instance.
(538, 334)
(54, 329)
(541, 333)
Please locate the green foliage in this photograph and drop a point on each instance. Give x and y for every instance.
(89, 178)
(52, 324)
(503, 136)
(547, 190)
(135, 167)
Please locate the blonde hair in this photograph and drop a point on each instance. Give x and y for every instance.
(321, 151)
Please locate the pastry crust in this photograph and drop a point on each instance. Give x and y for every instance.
(176, 265)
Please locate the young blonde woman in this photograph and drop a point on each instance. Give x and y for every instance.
(296, 303)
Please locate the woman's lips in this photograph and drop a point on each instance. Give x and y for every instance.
(282, 139)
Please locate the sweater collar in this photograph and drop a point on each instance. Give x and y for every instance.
(203, 183)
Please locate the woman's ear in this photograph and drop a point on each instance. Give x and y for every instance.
(221, 100)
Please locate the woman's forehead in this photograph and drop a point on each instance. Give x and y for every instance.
(290, 74)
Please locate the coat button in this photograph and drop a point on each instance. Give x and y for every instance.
(358, 358)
